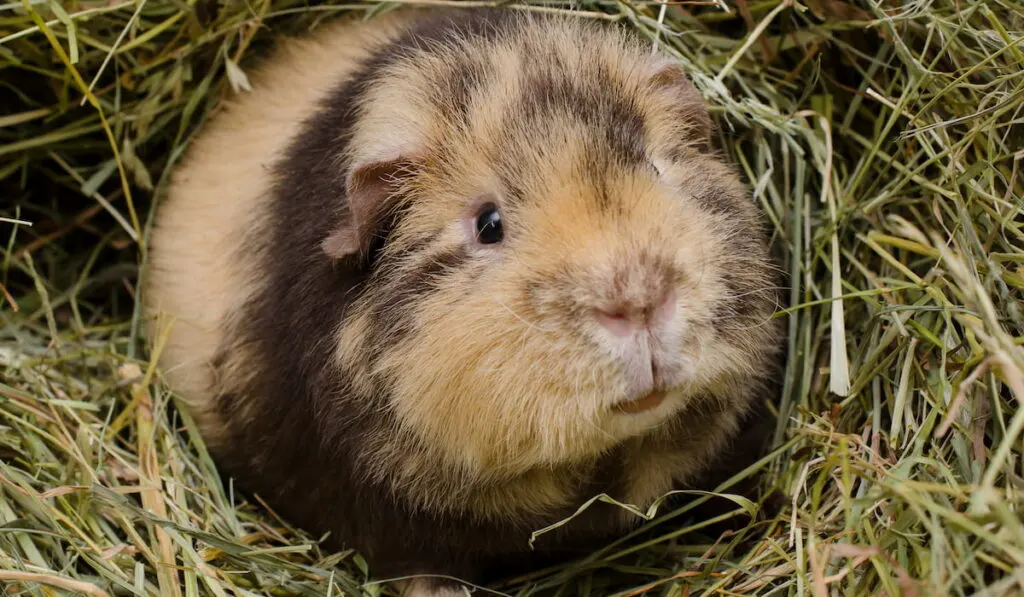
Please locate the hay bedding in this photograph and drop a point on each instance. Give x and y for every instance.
(885, 141)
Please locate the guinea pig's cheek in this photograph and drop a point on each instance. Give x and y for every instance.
(481, 395)
(719, 359)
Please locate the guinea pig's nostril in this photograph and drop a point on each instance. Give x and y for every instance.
(618, 320)
(626, 317)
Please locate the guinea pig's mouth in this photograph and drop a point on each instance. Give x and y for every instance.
(643, 403)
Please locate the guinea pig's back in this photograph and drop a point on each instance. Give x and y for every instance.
(201, 263)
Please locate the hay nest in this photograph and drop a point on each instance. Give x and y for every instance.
(883, 139)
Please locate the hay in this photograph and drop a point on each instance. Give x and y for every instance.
(884, 141)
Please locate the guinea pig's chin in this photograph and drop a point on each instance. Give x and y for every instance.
(632, 416)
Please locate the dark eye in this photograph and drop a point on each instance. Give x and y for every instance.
(488, 227)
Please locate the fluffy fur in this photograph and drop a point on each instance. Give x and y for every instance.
(351, 354)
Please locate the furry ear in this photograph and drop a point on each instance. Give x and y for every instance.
(370, 188)
(669, 74)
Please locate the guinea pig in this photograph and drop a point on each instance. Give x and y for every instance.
(442, 276)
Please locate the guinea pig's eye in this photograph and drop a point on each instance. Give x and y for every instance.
(487, 228)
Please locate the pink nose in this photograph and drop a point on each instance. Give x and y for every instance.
(627, 317)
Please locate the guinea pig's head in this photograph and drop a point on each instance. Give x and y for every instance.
(557, 260)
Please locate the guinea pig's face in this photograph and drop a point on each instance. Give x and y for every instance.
(555, 283)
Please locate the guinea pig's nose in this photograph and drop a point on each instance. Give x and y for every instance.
(625, 317)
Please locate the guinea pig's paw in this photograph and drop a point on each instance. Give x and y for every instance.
(432, 587)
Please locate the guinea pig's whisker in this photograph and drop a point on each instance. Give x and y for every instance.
(703, 264)
(524, 321)
(522, 339)
(599, 430)
(755, 291)
(578, 380)
(764, 322)
(588, 420)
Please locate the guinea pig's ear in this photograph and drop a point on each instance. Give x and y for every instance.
(669, 74)
(370, 187)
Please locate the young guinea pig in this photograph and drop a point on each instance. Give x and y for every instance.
(443, 276)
